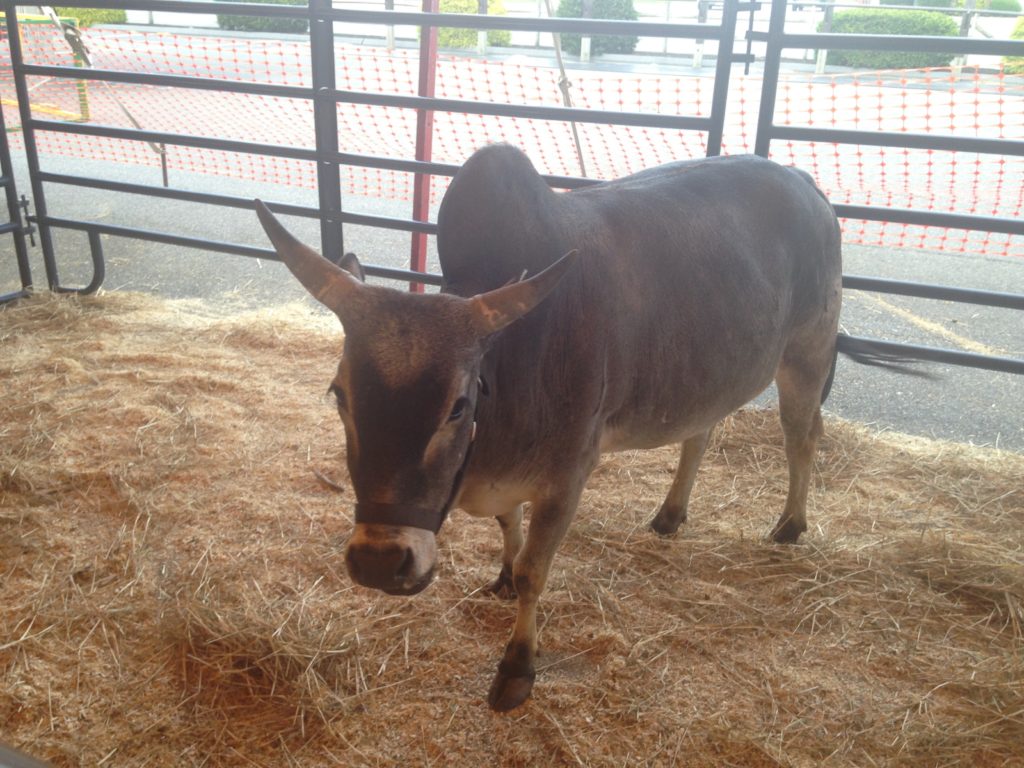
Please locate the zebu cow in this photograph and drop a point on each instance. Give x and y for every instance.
(686, 289)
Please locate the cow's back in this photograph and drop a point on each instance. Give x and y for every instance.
(499, 219)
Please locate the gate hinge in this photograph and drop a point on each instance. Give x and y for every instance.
(27, 226)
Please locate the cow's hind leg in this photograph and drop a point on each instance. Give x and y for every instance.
(511, 524)
(673, 510)
(800, 380)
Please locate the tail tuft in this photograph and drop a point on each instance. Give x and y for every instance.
(870, 353)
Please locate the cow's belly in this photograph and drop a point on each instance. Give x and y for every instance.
(651, 436)
(679, 419)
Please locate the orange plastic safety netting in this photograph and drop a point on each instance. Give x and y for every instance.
(968, 102)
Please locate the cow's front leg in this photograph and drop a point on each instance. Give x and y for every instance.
(548, 524)
(511, 524)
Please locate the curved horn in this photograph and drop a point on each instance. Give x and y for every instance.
(331, 285)
(495, 309)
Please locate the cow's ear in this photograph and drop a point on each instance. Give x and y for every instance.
(350, 263)
(334, 287)
(495, 309)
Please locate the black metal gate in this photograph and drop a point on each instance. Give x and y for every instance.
(329, 156)
(14, 224)
(778, 40)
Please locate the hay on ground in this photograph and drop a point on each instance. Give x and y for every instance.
(172, 589)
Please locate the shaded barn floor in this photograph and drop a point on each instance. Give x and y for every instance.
(172, 590)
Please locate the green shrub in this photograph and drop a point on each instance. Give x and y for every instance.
(87, 17)
(886, 21)
(601, 9)
(1003, 5)
(1014, 65)
(264, 23)
(450, 37)
(924, 3)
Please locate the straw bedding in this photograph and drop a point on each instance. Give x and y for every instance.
(172, 589)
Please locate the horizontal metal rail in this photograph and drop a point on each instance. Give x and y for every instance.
(977, 144)
(941, 292)
(193, 82)
(231, 201)
(835, 41)
(535, 112)
(437, 169)
(521, 24)
(277, 150)
(401, 101)
(908, 6)
(410, 18)
(931, 218)
(244, 147)
(179, 139)
(427, 278)
(167, 238)
(998, 299)
(5, 298)
(154, 236)
(934, 354)
(187, 6)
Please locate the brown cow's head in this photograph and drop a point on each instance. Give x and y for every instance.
(406, 387)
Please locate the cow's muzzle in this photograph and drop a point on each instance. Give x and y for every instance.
(395, 560)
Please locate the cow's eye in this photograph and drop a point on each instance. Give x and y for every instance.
(459, 409)
(339, 396)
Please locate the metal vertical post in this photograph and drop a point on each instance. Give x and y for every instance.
(325, 120)
(424, 143)
(965, 31)
(13, 210)
(750, 40)
(770, 84)
(82, 87)
(698, 49)
(389, 30)
(31, 151)
(723, 67)
(586, 12)
(821, 55)
(481, 34)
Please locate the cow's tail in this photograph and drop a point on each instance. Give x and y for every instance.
(867, 353)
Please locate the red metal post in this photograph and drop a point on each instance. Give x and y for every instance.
(424, 144)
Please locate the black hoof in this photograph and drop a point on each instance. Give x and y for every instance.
(508, 692)
(667, 521)
(502, 586)
(788, 532)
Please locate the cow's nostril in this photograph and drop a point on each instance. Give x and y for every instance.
(405, 566)
(354, 570)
